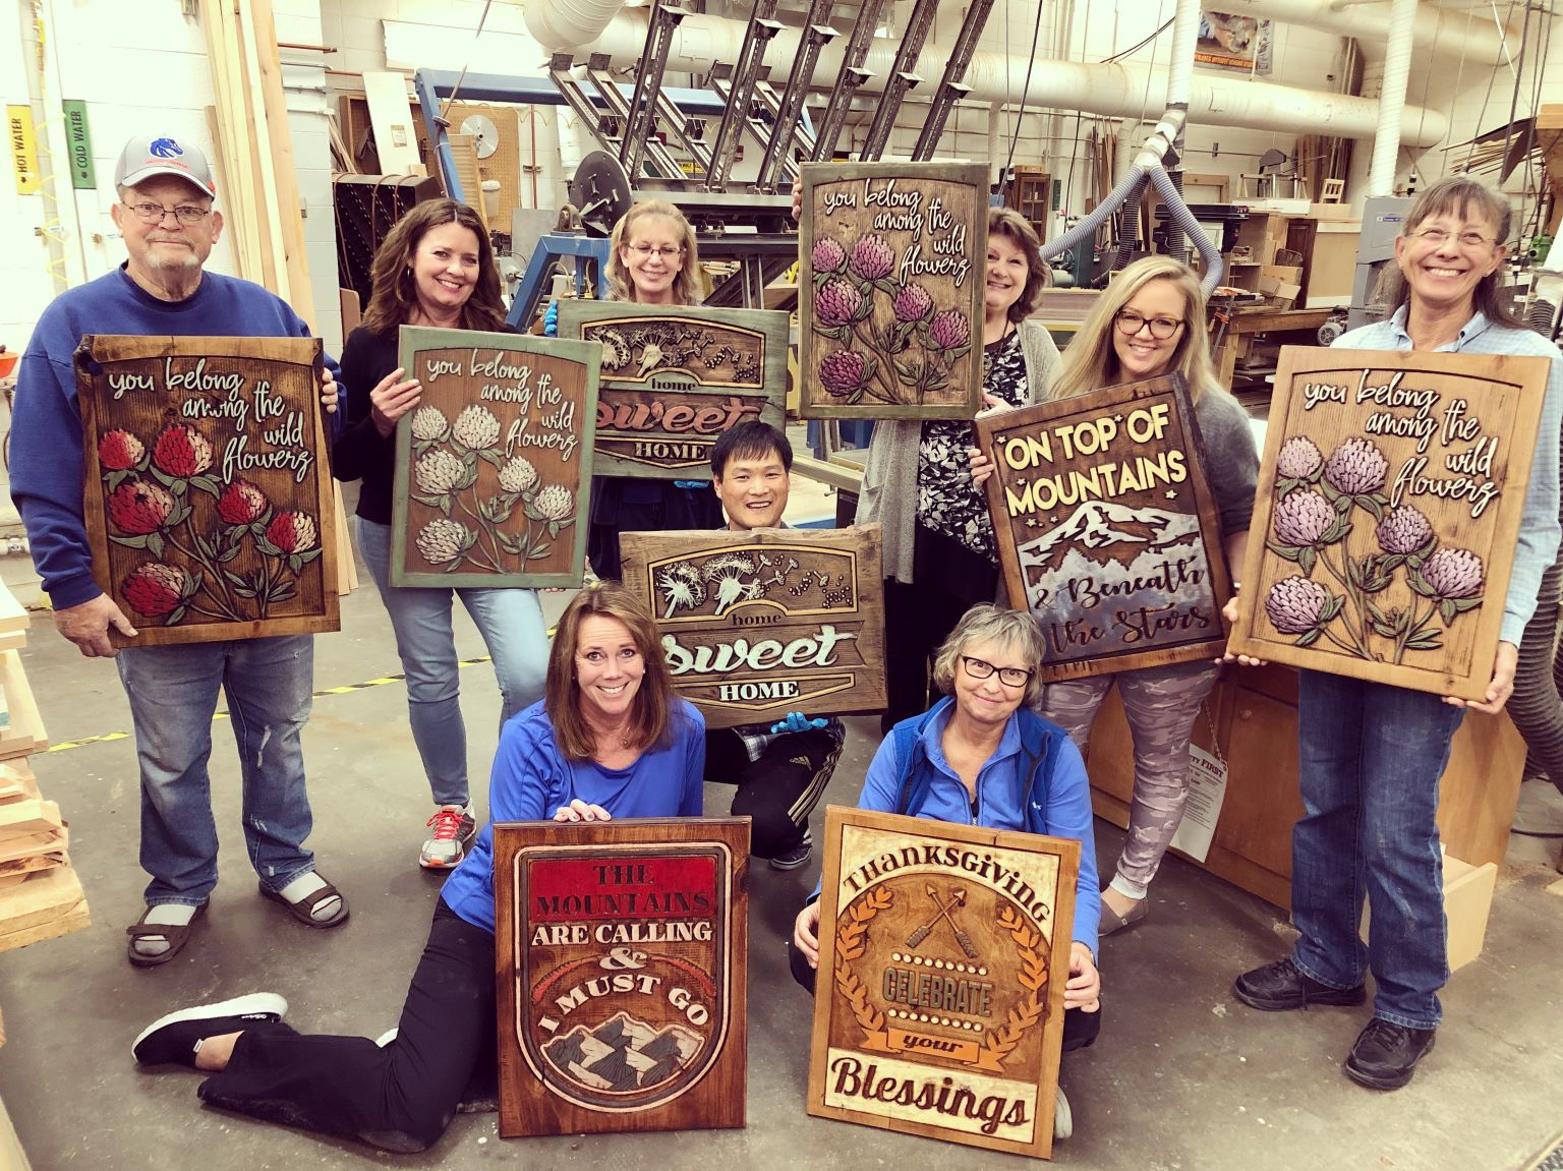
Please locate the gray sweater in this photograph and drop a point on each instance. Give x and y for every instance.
(1231, 459)
(889, 493)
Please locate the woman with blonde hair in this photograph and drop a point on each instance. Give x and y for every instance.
(653, 259)
(610, 739)
(939, 556)
(435, 268)
(1149, 322)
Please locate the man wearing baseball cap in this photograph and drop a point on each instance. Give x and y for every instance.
(165, 215)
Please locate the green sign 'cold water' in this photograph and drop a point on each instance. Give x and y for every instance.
(78, 141)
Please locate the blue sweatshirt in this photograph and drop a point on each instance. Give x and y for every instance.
(46, 455)
(1059, 802)
(532, 778)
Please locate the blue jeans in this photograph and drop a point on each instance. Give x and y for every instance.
(1371, 757)
(173, 694)
(511, 623)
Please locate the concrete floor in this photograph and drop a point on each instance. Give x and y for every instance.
(1182, 1078)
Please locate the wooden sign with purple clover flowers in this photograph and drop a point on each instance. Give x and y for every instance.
(891, 290)
(1387, 513)
(208, 493)
(494, 466)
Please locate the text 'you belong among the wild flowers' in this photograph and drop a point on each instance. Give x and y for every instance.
(891, 302)
(1389, 510)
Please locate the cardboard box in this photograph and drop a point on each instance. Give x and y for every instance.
(1286, 274)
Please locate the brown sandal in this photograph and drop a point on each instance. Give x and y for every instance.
(177, 935)
(304, 908)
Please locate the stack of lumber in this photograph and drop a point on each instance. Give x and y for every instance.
(257, 181)
(40, 895)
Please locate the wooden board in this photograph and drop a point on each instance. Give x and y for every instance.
(761, 623)
(24, 733)
(44, 905)
(390, 114)
(1106, 528)
(494, 468)
(622, 959)
(1357, 565)
(890, 292)
(939, 1008)
(674, 379)
(210, 505)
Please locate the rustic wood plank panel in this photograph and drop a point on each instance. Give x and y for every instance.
(890, 292)
(208, 495)
(622, 958)
(494, 468)
(760, 623)
(939, 1007)
(1107, 529)
(674, 379)
(1388, 508)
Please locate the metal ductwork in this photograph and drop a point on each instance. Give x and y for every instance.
(1392, 98)
(558, 25)
(1449, 33)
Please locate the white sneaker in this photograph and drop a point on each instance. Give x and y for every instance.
(454, 830)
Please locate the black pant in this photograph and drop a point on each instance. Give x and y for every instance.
(949, 580)
(622, 504)
(1080, 1028)
(401, 1097)
(779, 790)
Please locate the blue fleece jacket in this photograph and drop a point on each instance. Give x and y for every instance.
(46, 456)
(532, 778)
(1035, 781)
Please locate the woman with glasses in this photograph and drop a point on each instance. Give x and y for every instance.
(1150, 322)
(982, 756)
(1371, 754)
(435, 268)
(653, 259)
(939, 556)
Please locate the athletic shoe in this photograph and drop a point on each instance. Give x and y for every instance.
(172, 1039)
(1282, 986)
(797, 856)
(454, 830)
(1385, 1054)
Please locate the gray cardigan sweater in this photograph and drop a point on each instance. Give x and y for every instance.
(889, 493)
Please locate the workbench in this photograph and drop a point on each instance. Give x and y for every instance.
(1300, 327)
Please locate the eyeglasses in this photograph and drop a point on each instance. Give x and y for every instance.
(1438, 237)
(153, 213)
(1162, 328)
(1009, 676)
(647, 250)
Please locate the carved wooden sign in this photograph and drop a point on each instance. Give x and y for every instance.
(1388, 508)
(208, 494)
(1106, 528)
(890, 292)
(939, 1006)
(622, 951)
(494, 467)
(757, 624)
(674, 379)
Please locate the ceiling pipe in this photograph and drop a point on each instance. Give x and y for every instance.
(1114, 89)
(1434, 30)
(1392, 99)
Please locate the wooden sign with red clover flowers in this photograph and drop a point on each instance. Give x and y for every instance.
(494, 466)
(891, 290)
(1387, 513)
(208, 495)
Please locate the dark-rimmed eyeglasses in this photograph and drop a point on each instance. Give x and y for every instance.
(153, 213)
(1009, 676)
(1130, 323)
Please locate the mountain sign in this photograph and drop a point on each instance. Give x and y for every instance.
(1106, 528)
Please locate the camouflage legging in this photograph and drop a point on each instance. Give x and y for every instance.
(1161, 704)
(1535, 707)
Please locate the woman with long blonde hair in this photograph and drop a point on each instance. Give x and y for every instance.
(1149, 322)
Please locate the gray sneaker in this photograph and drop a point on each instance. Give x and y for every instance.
(797, 856)
(453, 831)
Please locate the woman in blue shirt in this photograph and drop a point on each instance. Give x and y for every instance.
(982, 756)
(609, 739)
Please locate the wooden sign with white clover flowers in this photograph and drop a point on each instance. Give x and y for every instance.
(208, 495)
(494, 466)
(1387, 513)
(675, 378)
(891, 290)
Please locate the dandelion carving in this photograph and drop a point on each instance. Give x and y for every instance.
(1319, 500)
